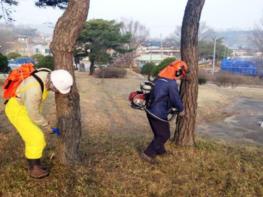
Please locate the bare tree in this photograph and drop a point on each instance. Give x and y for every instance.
(185, 126)
(7, 37)
(5, 9)
(66, 32)
(173, 40)
(139, 34)
(257, 36)
(205, 33)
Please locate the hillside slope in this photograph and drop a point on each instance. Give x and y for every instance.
(113, 134)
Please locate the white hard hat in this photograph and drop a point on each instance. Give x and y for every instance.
(62, 80)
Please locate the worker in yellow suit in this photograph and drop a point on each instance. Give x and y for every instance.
(23, 111)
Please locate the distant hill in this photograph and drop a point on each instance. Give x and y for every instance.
(233, 39)
(236, 39)
(45, 28)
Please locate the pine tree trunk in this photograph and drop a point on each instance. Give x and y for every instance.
(66, 32)
(92, 67)
(185, 126)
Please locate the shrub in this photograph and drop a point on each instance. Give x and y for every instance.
(46, 62)
(147, 68)
(13, 55)
(201, 80)
(136, 69)
(228, 79)
(37, 58)
(203, 77)
(4, 64)
(162, 65)
(111, 72)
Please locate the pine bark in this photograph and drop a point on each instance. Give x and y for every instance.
(92, 67)
(185, 126)
(66, 32)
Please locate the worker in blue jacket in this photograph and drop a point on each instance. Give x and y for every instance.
(163, 98)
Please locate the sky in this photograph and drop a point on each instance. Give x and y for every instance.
(160, 17)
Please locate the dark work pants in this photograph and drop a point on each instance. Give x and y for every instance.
(161, 131)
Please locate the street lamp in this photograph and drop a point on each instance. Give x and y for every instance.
(214, 55)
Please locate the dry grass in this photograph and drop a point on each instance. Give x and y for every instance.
(225, 79)
(112, 136)
(111, 167)
(111, 72)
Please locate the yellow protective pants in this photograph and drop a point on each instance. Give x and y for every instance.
(31, 134)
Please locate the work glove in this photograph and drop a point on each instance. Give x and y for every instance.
(56, 131)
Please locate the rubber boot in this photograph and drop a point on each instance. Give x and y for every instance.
(36, 170)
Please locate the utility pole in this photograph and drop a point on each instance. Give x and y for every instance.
(214, 57)
(225, 52)
(150, 55)
(161, 46)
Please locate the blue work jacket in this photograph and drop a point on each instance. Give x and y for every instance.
(165, 96)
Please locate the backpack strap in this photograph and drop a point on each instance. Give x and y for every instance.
(41, 83)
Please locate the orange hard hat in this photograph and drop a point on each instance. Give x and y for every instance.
(174, 70)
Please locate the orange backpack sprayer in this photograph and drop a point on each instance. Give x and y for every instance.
(16, 77)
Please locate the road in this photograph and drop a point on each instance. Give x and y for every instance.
(241, 126)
